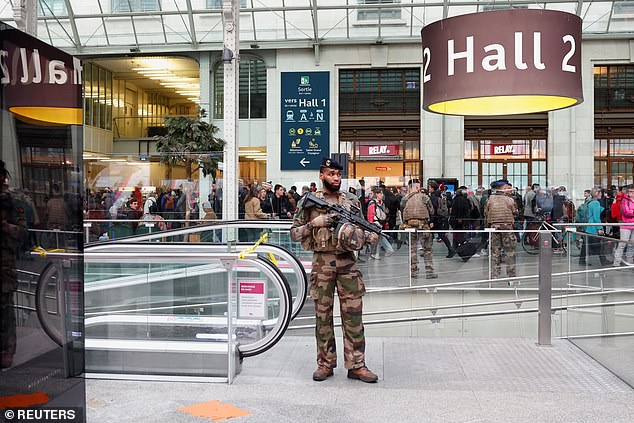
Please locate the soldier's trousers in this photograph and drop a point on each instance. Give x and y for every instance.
(503, 249)
(338, 271)
(427, 243)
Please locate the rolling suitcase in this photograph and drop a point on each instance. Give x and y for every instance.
(466, 250)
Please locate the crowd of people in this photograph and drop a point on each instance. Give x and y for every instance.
(453, 214)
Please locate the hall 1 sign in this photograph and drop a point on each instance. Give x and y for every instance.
(502, 62)
(305, 119)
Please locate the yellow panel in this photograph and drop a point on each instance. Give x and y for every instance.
(501, 105)
(49, 115)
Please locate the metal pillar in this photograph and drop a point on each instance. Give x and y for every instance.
(545, 289)
(231, 60)
(25, 16)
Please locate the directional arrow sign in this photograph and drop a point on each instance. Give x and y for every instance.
(305, 120)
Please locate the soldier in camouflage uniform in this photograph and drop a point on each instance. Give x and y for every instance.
(11, 234)
(417, 210)
(500, 213)
(334, 266)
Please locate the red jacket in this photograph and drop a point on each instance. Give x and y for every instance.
(627, 211)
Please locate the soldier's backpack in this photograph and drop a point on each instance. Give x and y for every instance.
(415, 208)
(443, 208)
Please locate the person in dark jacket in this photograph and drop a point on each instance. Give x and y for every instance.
(440, 222)
(281, 206)
(460, 214)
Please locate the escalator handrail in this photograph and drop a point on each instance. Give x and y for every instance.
(270, 270)
(198, 227)
(282, 252)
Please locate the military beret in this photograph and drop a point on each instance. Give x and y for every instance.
(413, 181)
(330, 163)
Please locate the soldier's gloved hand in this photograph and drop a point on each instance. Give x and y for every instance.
(371, 238)
(322, 221)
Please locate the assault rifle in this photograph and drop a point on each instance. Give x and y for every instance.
(341, 214)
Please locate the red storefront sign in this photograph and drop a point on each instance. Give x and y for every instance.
(505, 150)
(379, 150)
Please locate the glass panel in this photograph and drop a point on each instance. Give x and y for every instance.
(601, 173)
(622, 173)
(491, 172)
(538, 149)
(380, 91)
(613, 87)
(87, 93)
(102, 98)
(539, 173)
(108, 101)
(95, 96)
(471, 173)
(603, 332)
(257, 89)
(41, 296)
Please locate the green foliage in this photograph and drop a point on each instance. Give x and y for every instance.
(191, 140)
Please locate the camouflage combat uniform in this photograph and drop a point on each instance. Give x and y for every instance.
(332, 268)
(10, 236)
(416, 214)
(500, 212)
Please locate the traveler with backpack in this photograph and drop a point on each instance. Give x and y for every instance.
(592, 246)
(378, 215)
(626, 205)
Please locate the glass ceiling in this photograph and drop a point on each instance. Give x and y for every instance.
(122, 26)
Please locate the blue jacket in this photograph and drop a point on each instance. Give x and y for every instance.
(594, 216)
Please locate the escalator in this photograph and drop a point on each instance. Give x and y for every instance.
(164, 310)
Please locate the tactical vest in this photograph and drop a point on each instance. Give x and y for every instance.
(500, 209)
(323, 239)
(416, 206)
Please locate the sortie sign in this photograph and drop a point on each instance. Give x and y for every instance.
(502, 63)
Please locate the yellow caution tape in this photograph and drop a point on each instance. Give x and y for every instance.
(263, 238)
(44, 251)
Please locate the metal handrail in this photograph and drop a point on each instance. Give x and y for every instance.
(438, 317)
(516, 301)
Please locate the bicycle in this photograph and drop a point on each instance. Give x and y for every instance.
(530, 240)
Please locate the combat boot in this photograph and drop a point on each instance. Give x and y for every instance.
(363, 374)
(431, 276)
(322, 373)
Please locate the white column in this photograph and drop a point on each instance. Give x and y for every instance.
(442, 146)
(205, 104)
(231, 59)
